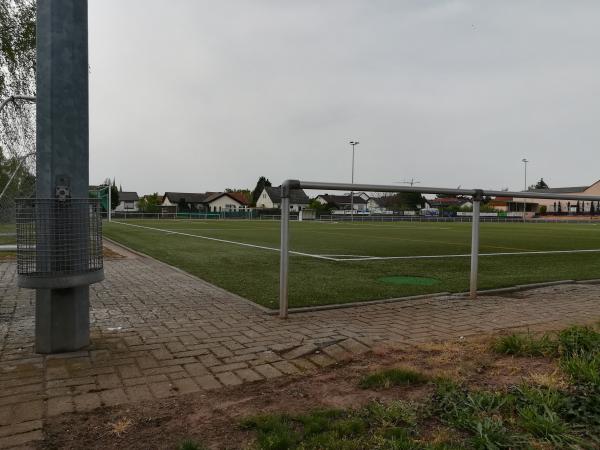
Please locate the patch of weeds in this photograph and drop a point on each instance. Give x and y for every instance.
(545, 424)
(578, 340)
(581, 409)
(385, 379)
(190, 445)
(538, 396)
(377, 425)
(394, 414)
(274, 432)
(583, 368)
(479, 413)
(519, 344)
(491, 433)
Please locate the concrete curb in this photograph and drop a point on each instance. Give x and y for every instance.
(305, 309)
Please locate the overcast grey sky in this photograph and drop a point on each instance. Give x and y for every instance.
(190, 95)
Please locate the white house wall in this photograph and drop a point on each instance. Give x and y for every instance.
(225, 203)
(264, 201)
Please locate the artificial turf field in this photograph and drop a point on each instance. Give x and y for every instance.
(254, 272)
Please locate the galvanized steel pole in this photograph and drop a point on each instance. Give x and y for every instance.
(475, 245)
(284, 251)
(353, 144)
(62, 321)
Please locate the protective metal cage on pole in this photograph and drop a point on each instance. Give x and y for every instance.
(476, 194)
(59, 242)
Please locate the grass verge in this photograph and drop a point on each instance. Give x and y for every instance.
(459, 415)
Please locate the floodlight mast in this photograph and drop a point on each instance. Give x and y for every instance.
(353, 144)
(525, 161)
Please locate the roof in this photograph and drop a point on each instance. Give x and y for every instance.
(188, 197)
(342, 199)
(128, 196)
(447, 201)
(297, 196)
(239, 197)
(207, 197)
(562, 190)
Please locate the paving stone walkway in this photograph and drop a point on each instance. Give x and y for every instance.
(157, 332)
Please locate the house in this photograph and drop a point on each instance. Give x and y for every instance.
(376, 205)
(128, 202)
(270, 198)
(500, 203)
(204, 202)
(559, 206)
(344, 202)
(446, 202)
(224, 201)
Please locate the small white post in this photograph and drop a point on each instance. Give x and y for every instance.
(475, 245)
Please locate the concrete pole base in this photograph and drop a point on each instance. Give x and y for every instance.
(62, 319)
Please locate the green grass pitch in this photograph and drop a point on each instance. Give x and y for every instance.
(254, 273)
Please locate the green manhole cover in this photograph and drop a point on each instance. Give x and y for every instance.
(415, 281)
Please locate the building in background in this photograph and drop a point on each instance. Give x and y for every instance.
(270, 198)
(128, 202)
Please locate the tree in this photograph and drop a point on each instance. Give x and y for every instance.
(114, 195)
(559, 207)
(404, 200)
(17, 73)
(260, 186)
(592, 210)
(320, 207)
(541, 184)
(149, 203)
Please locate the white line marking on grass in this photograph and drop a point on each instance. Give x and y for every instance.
(545, 252)
(262, 247)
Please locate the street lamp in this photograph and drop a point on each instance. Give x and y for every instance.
(353, 144)
(525, 161)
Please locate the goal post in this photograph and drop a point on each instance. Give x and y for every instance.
(476, 195)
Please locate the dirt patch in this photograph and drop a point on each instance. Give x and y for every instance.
(212, 417)
(8, 256)
(110, 253)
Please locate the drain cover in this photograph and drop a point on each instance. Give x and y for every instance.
(415, 281)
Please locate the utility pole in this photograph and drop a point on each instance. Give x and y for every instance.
(525, 161)
(353, 144)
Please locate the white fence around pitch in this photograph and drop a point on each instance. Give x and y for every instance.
(466, 219)
(477, 196)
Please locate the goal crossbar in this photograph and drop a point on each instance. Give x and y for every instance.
(477, 196)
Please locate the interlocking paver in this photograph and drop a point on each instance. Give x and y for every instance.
(60, 405)
(158, 332)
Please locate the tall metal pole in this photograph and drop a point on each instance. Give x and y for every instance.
(284, 253)
(525, 161)
(62, 320)
(353, 144)
(109, 209)
(475, 245)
